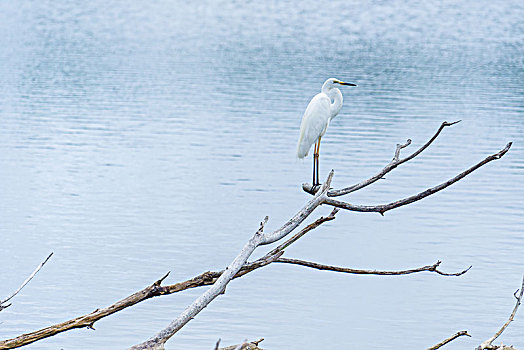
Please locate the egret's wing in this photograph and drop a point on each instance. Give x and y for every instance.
(314, 123)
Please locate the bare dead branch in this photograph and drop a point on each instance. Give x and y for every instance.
(445, 341)
(2, 303)
(395, 162)
(430, 141)
(385, 207)
(488, 344)
(239, 266)
(428, 268)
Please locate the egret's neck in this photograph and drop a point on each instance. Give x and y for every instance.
(336, 97)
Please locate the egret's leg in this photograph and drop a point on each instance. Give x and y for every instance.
(318, 160)
(315, 155)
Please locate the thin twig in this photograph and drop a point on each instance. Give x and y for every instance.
(445, 341)
(488, 343)
(2, 306)
(395, 162)
(430, 141)
(428, 268)
(385, 207)
(399, 147)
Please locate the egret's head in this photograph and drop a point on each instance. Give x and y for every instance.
(332, 82)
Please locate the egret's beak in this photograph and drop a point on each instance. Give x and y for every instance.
(342, 83)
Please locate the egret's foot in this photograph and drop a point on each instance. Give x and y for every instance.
(311, 189)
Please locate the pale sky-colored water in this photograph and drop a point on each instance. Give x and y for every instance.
(141, 138)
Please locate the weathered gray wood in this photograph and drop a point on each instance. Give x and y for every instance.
(401, 202)
(229, 273)
(395, 162)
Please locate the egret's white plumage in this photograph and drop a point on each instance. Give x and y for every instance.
(319, 112)
(314, 123)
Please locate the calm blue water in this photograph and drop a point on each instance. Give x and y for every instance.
(154, 136)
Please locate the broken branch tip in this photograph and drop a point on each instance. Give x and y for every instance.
(452, 123)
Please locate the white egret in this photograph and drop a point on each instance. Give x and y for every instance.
(319, 112)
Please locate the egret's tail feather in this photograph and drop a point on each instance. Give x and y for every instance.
(302, 151)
